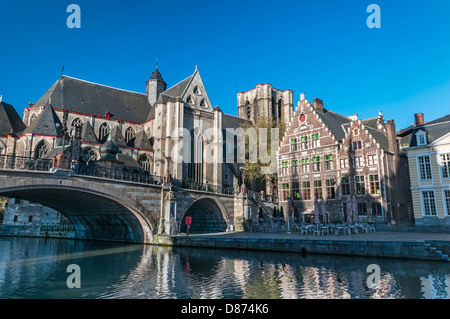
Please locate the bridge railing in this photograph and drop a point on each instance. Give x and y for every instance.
(128, 175)
(217, 189)
(25, 163)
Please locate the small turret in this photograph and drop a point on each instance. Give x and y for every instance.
(155, 86)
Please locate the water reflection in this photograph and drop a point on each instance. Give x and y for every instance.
(36, 268)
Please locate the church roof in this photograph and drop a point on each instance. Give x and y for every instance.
(9, 119)
(88, 134)
(156, 75)
(117, 137)
(94, 99)
(141, 141)
(177, 90)
(47, 123)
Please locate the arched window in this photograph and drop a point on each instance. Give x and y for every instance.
(89, 154)
(103, 132)
(197, 91)
(145, 162)
(77, 122)
(130, 134)
(33, 117)
(247, 107)
(203, 103)
(41, 149)
(190, 100)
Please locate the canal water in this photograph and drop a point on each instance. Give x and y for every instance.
(37, 268)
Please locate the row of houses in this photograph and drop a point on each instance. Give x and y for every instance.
(395, 175)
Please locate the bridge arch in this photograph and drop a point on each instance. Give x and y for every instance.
(101, 215)
(208, 216)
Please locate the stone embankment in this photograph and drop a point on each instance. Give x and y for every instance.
(413, 245)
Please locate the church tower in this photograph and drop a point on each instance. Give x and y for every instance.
(155, 86)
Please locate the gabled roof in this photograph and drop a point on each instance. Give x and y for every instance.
(434, 129)
(334, 122)
(177, 90)
(141, 141)
(94, 99)
(117, 137)
(47, 123)
(10, 121)
(88, 134)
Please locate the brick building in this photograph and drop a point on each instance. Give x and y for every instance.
(329, 156)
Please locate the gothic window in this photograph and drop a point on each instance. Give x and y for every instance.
(190, 100)
(77, 122)
(33, 117)
(203, 103)
(130, 134)
(103, 133)
(89, 154)
(41, 149)
(197, 91)
(145, 162)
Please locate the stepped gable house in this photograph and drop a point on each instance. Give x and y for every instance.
(329, 156)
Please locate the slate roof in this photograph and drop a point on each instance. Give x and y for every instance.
(175, 91)
(46, 123)
(95, 99)
(434, 129)
(334, 122)
(141, 141)
(10, 120)
(88, 134)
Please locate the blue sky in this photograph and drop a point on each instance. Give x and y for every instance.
(321, 48)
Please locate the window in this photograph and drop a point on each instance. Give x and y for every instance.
(103, 133)
(318, 189)
(41, 149)
(145, 162)
(362, 209)
(376, 209)
(302, 118)
(358, 161)
(425, 167)
(331, 193)
(328, 160)
(285, 191)
(445, 165)
(30, 219)
(203, 103)
(294, 167)
(344, 163)
(247, 107)
(305, 165)
(372, 160)
(345, 185)
(77, 122)
(315, 140)
(447, 201)
(316, 164)
(357, 145)
(295, 191)
(421, 137)
(15, 218)
(130, 135)
(304, 142)
(429, 205)
(306, 190)
(284, 168)
(360, 185)
(374, 184)
(293, 144)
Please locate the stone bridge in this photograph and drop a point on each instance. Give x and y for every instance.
(108, 209)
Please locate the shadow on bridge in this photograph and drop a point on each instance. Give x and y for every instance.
(93, 216)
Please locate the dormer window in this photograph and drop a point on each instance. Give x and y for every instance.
(421, 138)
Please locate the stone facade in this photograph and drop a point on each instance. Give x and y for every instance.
(328, 156)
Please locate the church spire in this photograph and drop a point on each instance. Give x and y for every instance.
(155, 86)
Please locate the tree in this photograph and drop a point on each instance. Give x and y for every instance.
(253, 169)
(3, 202)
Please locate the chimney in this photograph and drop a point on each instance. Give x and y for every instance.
(318, 104)
(420, 119)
